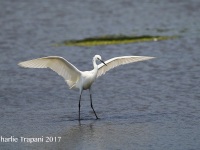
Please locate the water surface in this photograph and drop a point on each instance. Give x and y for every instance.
(146, 105)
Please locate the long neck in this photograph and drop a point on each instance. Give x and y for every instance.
(95, 64)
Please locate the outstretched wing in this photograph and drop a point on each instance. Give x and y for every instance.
(58, 64)
(117, 61)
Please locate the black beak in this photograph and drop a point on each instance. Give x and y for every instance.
(103, 62)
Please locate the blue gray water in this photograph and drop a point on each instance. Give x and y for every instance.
(148, 105)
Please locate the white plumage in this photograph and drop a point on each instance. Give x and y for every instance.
(80, 79)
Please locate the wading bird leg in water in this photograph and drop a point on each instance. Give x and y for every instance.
(92, 104)
(79, 106)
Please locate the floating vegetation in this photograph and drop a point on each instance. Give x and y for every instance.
(113, 39)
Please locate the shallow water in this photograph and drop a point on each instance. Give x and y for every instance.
(146, 105)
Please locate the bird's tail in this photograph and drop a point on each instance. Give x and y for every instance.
(71, 84)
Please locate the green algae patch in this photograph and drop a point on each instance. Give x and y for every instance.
(113, 39)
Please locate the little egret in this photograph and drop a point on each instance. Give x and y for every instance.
(77, 79)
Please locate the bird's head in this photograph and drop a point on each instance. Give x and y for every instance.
(98, 57)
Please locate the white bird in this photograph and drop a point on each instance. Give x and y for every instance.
(77, 79)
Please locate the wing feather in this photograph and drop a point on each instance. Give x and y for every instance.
(58, 64)
(117, 61)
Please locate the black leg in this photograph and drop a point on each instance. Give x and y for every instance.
(92, 106)
(79, 107)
